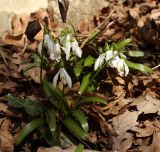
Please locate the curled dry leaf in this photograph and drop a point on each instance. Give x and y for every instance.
(7, 141)
(34, 74)
(19, 24)
(59, 149)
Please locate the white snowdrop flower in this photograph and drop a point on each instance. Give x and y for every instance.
(67, 46)
(56, 55)
(71, 43)
(122, 68)
(113, 62)
(99, 61)
(76, 48)
(54, 49)
(64, 77)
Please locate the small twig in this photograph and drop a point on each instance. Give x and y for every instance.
(156, 67)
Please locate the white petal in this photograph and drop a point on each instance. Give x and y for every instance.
(114, 62)
(99, 61)
(122, 68)
(55, 79)
(109, 55)
(50, 44)
(67, 78)
(76, 48)
(126, 69)
(57, 53)
(40, 47)
(62, 76)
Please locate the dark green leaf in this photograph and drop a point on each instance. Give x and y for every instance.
(80, 116)
(85, 83)
(79, 67)
(28, 129)
(80, 148)
(33, 108)
(89, 61)
(138, 66)
(51, 119)
(51, 138)
(55, 96)
(15, 102)
(74, 128)
(92, 100)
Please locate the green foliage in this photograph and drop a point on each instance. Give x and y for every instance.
(32, 108)
(91, 100)
(74, 128)
(79, 148)
(136, 53)
(79, 67)
(85, 82)
(139, 67)
(80, 116)
(51, 119)
(89, 61)
(36, 123)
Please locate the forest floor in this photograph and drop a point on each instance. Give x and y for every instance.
(131, 119)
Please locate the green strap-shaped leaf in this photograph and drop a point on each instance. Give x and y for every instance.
(15, 102)
(79, 67)
(51, 119)
(80, 148)
(31, 107)
(123, 43)
(136, 53)
(138, 66)
(74, 128)
(89, 61)
(80, 116)
(55, 97)
(92, 100)
(28, 129)
(85, 83)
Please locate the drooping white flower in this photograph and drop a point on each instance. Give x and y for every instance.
(76, 48)
(122, 68)
(113, 60)
(56, 55)
(64, 77)
(71, 43)
(54, 49)
(99, 61)
(67, 46)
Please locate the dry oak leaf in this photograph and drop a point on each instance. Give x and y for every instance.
(34, 73)
(121, 124)
(147, 104)
(19, 24)
(59, 149)
(155, 146)
(114, 107)
(6, 139)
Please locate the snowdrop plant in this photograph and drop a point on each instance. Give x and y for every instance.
(65, 56)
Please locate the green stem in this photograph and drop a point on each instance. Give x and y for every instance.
(98, 71)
